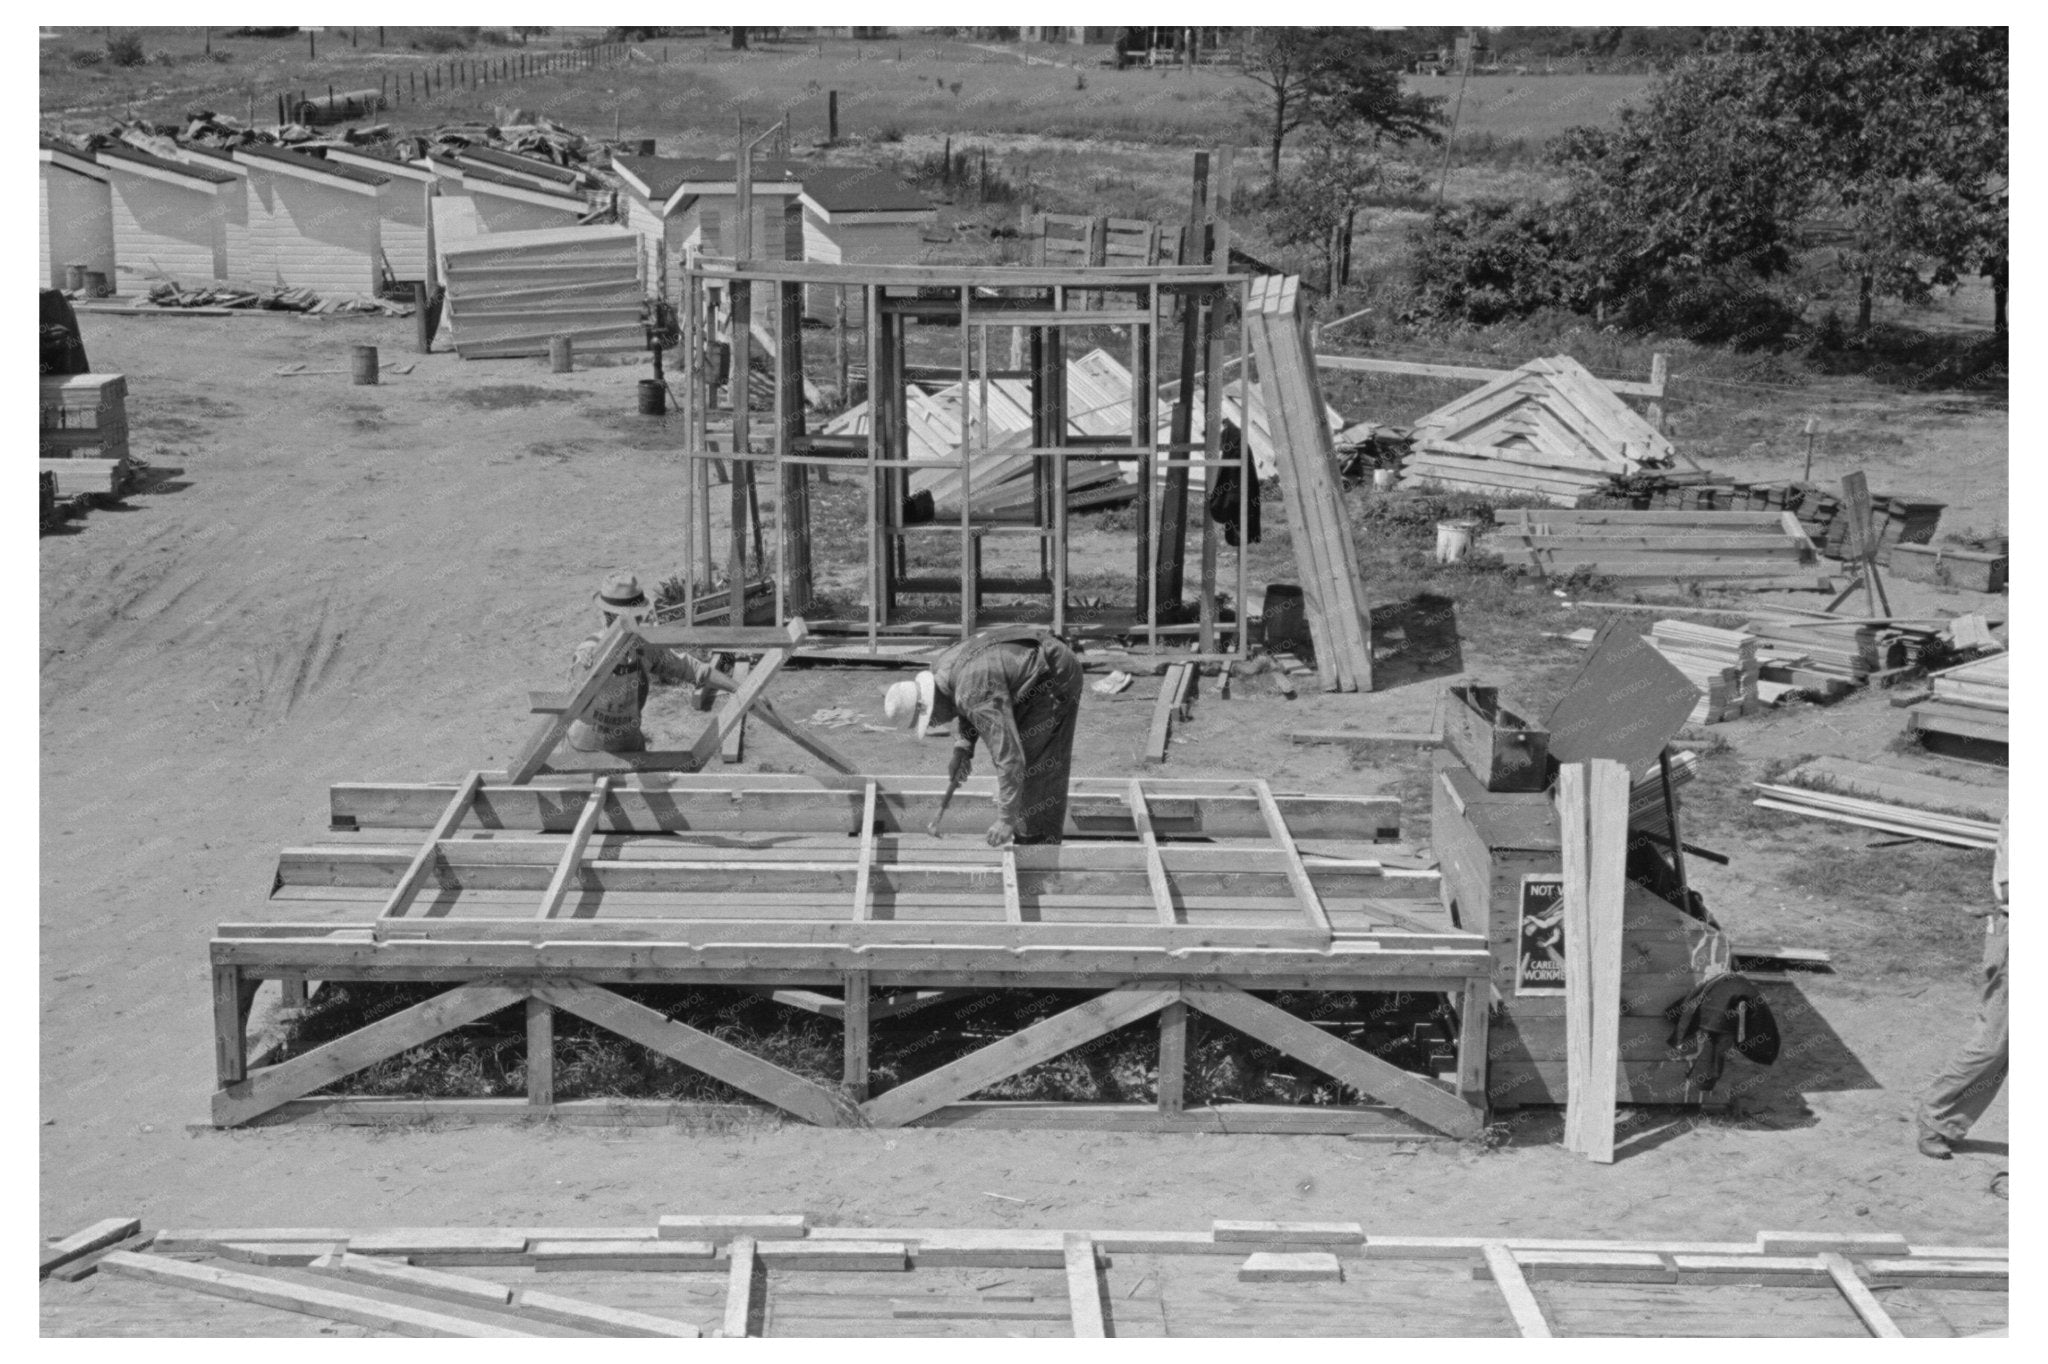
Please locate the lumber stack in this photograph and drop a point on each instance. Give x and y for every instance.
(1895, 519)
(1974, 570)
(1881, 816)
(1549, 429)
(1970, 702)
(1721, 663)
(509, 293)
(1900, 786)
(83, 414)
(1756, 548)
(1307, 465)
(1845, 650)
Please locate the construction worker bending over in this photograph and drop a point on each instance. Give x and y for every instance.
(1016, 690)
(612, 723)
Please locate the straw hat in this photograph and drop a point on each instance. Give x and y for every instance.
(620, 593)
(914, 703)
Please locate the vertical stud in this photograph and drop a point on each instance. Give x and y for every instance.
(540, 1053)
(856, 1018)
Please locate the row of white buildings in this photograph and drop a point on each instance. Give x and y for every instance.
(342, 222)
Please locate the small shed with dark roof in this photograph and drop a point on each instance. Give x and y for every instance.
(402, 207)
(506, 202)
(321, 220)
(170, 218)
(859, 216)
(74, 213)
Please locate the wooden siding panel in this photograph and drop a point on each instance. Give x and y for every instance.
(495, 214)
(322, 237)
(166, 232)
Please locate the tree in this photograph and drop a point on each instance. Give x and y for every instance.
(1344, 79)
(1317, 204)
(739, 40)
(1892, 142)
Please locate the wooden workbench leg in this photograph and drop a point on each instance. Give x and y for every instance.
(540, 1054)
(856, 1019)
(1474, 1006)
(1173, 1058)
(291, 991)
(230, 1026)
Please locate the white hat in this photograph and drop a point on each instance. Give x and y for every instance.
(910, 703)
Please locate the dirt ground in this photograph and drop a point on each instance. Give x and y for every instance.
(339, 583)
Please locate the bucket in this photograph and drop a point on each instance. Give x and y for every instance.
(1283, 620)
(1454, 540)
(653, 398)
(561, 354)
(646, 146)
(74, 278)
(96, 285)
(363, 365)
(1383, 479)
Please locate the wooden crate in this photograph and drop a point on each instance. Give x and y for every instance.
(1506, 752)
(1970, 569)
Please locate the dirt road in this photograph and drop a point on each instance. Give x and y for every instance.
(339, 583)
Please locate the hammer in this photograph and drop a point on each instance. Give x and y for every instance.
(945, 800)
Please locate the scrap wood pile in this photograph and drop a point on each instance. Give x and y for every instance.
(517, 131)
(1721, 663)
(1757, 549)
(1970, 701)
(170, 294)
(1890, 800)
(1846, 651)
(1549, 429)
(1324, 555)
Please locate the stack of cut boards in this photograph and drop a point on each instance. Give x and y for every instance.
(1307, 466)
(1549, 429)
(1897, 520)
(1759, 549)
(1844, 650)
(1971, 701)
(1721, 663)
(509, 293)
(84, 432)
(1891, 800)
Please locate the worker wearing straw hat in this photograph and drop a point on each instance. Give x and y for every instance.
(612, 723)
(1016, 691)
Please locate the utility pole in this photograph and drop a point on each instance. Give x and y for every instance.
(1463, 49)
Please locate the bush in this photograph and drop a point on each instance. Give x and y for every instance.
(163, 57)
(259, 33)
(125, 49)
(1489, 261)
(87, 56)
(439, 40)
(890, 133)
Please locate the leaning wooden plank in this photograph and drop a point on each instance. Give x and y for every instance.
(749, 691)
(657, 1255)
(293, 1297)
(1861, 1300)
(1522, 1304)
(1413, 1094)
(428, 1283)
(1155, 866)
(265, 1089)
(1084, 1288)
(598, 1318)
(809, 743)
(722, 1061)
(550, 729)
(1606, 881)
(1170, 693)
(734, 747)
(95, 1237)
(722, 1227)
(1040, 1042)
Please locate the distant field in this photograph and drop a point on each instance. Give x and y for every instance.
(907, 86)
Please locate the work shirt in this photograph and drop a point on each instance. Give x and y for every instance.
(616, 711)
(985, 688)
